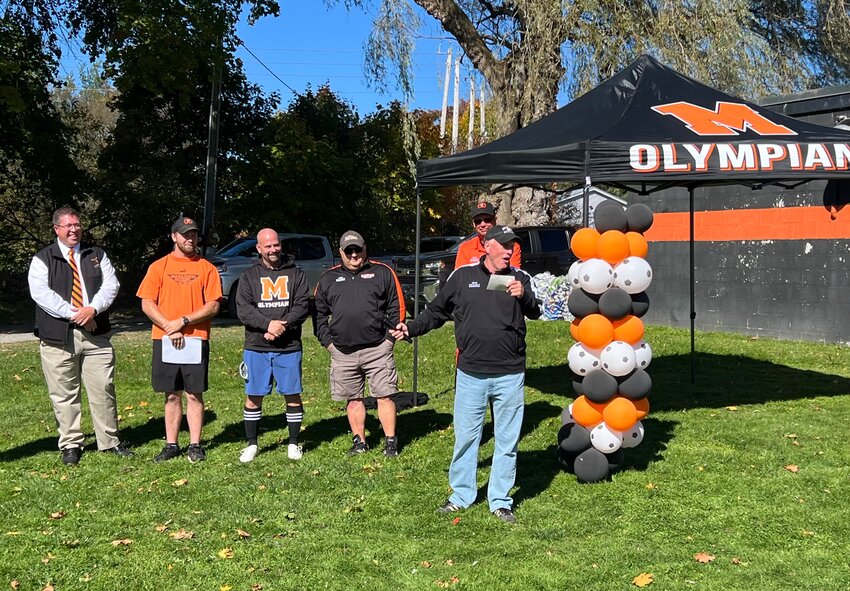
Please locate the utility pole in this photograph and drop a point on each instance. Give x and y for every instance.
(445, 94)
(469, 133)
(212, 153)
(456, 108)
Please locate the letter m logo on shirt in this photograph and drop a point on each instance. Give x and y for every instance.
(274, 290)
(725, 119)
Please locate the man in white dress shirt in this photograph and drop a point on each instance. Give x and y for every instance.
(73, 286)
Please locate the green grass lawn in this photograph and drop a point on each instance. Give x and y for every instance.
(715, 475)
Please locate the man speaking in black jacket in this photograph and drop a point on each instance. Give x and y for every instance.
(354, 303)
(489, 300)
(272, 303)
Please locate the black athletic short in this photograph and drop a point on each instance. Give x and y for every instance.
(172, 377)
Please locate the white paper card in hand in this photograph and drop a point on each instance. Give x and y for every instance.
(499, 282)
(190, 354)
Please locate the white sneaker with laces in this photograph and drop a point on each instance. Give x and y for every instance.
(295, 451)
(248, 454)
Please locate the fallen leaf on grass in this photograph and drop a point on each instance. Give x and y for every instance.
(57, 515)
(225, 553)
(807, 533)
(256, 587)
(161, 528)
(450, 562)
(456, 520)
(242, 533)
(181, 534)
(793, 468)
(732, 408)
(124, 542)
(735, 560)
(703, 557)
(643, 579)
(47, 558)
(225, 588)
(650, 485)
(181, 482)
(425, 564)
(48, 587)
(15, 584)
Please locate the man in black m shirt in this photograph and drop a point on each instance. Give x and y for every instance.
(272, 303)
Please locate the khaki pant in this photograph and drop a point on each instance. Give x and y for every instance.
(349, 372)
(90, 359)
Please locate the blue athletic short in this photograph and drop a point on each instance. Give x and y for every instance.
(285, 368)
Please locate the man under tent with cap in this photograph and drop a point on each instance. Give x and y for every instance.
(355, 303)
(471, 250)
(489, 303)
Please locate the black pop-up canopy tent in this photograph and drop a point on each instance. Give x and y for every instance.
(649, 128)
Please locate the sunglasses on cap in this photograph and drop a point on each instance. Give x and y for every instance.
(352, 250)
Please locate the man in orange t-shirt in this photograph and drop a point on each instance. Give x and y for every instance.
(471, 251)
(180, 294)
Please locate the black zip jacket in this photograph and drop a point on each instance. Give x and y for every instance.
(351, 307)
(489, 324)
(273, 294)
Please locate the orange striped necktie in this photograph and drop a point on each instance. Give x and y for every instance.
(76, 290)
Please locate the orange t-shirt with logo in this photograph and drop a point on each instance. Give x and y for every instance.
(470, 251)
(179, 287)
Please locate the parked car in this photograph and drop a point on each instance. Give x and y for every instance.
(313, 255)
(544, 248)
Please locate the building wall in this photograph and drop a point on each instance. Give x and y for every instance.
(769, 262)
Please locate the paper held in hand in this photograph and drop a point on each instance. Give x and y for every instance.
(189, 354)
(499, 282)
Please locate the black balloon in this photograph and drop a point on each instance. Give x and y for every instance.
(615, 304)
(578, 385)
(566, 417)
(639, 217)
(615, 460)
(591, 465)
(573, 438)
(636, 385)
(567, 460)
(581, 304)
(599, 386)
(609, 215)
(640, 303)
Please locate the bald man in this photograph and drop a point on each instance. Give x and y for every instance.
(272, 303)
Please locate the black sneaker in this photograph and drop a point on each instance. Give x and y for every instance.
(195, 453)
(448, 507)
(71, 456)
(391, 447)
(169, 452)
(358, 447)
(505, 515)
(120, 451)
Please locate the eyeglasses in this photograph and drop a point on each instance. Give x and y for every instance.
(351, 250)
(70, 226)
(483, 220)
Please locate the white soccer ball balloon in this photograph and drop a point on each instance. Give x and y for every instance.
(643, 355)
(572, 275)
(595, 276)
(582, 360)
(633, 436)
(618, 358)
(633, 275)
(605, 439)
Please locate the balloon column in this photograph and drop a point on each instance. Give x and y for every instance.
(609, 360)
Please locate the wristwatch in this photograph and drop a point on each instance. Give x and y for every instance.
(185, 320)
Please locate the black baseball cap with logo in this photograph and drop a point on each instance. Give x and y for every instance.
(351, 238)
(501, 234)
(184, 224)
(483, 208)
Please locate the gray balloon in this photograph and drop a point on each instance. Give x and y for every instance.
(573, 438)
(609, 215)
(615, 304)
(599, 386)
(581, 304)
(591, 465)
(640, 304)
(639, 217)
(578, 384)
(636, 385)
(615, 460)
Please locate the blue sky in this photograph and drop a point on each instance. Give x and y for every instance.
(312, 44)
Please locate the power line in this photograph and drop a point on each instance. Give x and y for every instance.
(295, 92)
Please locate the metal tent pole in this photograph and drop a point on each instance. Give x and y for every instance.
(416, 295)
(693, 312)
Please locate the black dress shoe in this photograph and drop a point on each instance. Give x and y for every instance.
(119, 450)
(71, 456)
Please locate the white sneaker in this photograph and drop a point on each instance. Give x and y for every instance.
(248, 454)
(295, 451)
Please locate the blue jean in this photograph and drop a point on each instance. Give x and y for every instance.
(472, 394)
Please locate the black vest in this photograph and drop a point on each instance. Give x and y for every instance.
(61, 280)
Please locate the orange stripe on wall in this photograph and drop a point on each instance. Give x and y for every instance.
(778, 223)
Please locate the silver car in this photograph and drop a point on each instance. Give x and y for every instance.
(312, 252)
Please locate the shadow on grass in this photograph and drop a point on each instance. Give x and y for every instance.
(133, 436)
(721, 380)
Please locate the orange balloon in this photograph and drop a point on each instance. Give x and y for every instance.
(620, 414)
(587, 413)
(613, 247)
(595, 331)
(574, 329)
(630, 329)
(642, 407)
(583, 243)
(637, 245)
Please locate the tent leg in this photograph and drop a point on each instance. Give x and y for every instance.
(416, 296)
(693, 312)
